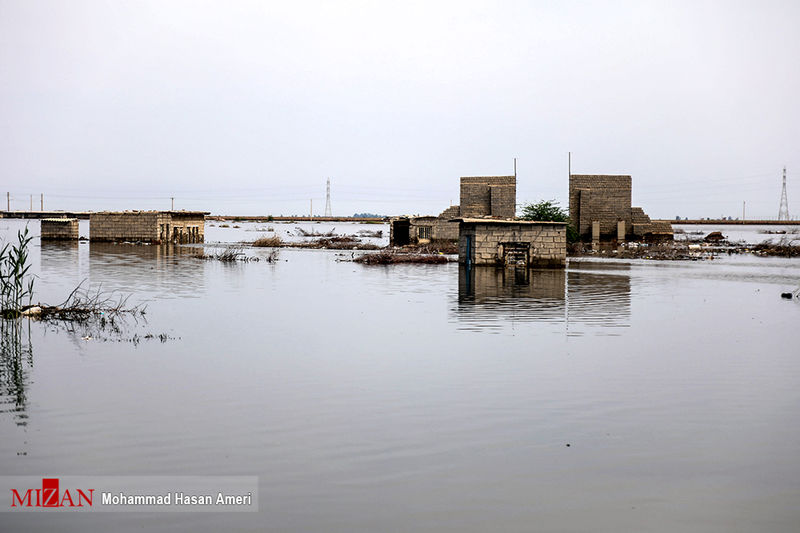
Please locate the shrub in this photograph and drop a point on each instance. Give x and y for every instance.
(549, 211)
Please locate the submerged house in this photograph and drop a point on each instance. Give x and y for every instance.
(493, 196)
(517, 243)
(59, 229)
(600, 208)
(420, 230)
(158, 227)
(486, 227)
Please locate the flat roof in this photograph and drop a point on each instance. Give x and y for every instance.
(138, 211)
(494, 176)
(504, 221)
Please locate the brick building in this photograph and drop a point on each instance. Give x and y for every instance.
(157, 227)
(600, 208)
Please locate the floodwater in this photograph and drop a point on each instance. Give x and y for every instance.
(611, 396)
(745, 234)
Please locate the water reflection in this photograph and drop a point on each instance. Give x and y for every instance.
(595, 297)
(61, 263)
(165, 271)
(489, 297)
(599, 295)
(16, 360)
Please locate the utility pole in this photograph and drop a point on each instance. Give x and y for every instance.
(173, 203)
(515, 168)
(8, 201)
(783, 210)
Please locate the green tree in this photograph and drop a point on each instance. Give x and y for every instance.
(549, 211)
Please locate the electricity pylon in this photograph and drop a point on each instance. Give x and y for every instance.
(328, 200)
(783, 210)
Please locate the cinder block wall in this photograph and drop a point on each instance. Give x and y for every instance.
(602, 198)
(488, 195)
(445, 231)
(547, 242)
(59, 229)
(146, 226)
(190, 228)
(128, 226)
(441, 228)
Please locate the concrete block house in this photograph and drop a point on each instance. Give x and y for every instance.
(517, 243)
(158, 227)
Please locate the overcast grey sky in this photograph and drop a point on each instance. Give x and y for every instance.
(247, 107)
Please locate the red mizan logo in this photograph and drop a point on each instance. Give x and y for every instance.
(50, 496)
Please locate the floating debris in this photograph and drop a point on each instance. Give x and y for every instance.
(303, 233)
(336, 242)
(390, 257)
(714, 236)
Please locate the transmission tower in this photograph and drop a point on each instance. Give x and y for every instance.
(328, 200)
(783, 210)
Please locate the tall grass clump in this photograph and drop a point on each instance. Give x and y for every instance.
(15, 284)
(268, 242)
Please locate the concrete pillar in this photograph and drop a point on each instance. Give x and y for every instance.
(621, 231)
(595, 234)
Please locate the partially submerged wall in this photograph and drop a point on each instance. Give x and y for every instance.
(59, 229)
(496, 242)
(126, 226)
(187, 227)
(147, 226)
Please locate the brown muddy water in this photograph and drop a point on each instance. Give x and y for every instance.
(612, 396)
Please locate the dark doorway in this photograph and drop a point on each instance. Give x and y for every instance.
(400, 232)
